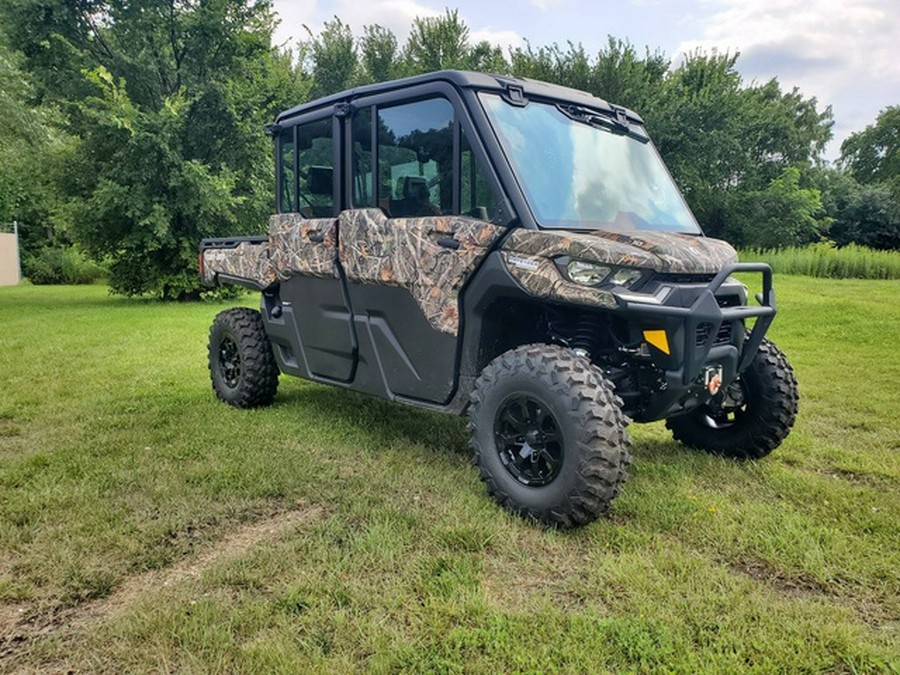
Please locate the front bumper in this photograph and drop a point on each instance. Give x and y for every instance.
(702, 335)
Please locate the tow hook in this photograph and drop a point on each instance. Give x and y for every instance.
(712, 379)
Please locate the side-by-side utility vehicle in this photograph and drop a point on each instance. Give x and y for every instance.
(512, 250)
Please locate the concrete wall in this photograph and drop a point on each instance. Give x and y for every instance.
(9, 263)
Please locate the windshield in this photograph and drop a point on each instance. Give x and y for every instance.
(581, 170)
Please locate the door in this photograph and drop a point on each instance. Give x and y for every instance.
(303, 243)
(404, 249)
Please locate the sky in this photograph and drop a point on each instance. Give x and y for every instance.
(846, 53)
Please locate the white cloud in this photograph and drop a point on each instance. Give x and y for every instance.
(293, 14)
(544, 5)
(397, 15)
(842, 52)
(505, 39)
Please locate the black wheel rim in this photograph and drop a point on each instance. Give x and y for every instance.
(728, 408)
(528, 440)
(230, 362)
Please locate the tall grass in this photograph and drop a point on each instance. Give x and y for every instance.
(824, 260)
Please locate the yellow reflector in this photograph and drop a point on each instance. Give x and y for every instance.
(658, 339)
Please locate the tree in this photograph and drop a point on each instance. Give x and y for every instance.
(334, 59)
(868, 215)
(169, 121)
(873, 155)
(31, 154)
(379, 54)
(436, 43)
(783, 214)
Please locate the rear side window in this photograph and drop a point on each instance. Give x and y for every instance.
(315, 168)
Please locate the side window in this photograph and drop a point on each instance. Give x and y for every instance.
(476, 198)
(415, 158)
(286, 161)
(363, 186)
(315, 168)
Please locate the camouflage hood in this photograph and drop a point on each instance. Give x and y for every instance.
(659, 251)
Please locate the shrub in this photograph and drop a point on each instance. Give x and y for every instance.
(62, 265)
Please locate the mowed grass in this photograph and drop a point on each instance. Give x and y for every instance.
(117, 464)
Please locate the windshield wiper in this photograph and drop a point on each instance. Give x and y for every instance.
(617, 124)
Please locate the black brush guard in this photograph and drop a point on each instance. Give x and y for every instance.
(689, 357)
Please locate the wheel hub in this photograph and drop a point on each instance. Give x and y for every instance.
(528, 440)
(230, 361)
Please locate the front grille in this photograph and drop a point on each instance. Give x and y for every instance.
(671, 278)
(723, 336)
(728, 300)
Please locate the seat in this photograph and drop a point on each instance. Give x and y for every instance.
(415, 198)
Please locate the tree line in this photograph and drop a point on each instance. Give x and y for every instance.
(133, 129)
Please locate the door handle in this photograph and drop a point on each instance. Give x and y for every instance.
(316, 237)
(449, 242)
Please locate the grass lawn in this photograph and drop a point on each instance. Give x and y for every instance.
(146, 527)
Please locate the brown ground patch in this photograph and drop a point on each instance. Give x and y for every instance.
(21, 624)
(867, 606)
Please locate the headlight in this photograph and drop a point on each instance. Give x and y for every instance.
(625, 277)
(596, 274)
(587, 273)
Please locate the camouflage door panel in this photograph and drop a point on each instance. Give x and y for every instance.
(246, 260)
(405, 252)
(529, 254)
(303, 246)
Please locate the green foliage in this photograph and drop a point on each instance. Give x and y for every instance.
(144, 204)
(334, 58)
(378, 53)
(864, 200)
(825, 260)
(31, 155)
(61, 265)
(438, 43)
(873, 154)
(868, 215)
(167, 109)
(783, 214)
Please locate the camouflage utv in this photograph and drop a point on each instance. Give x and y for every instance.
(512, 250)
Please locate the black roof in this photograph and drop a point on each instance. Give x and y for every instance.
(463, 80)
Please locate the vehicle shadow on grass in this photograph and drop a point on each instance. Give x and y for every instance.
(435, 431)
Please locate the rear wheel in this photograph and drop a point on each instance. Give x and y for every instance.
(241, 364)
(549, 435)
(749, 418)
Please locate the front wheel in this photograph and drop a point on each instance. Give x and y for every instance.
(549, 435)
(241, 364)
(749, 418)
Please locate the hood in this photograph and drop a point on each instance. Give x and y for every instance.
(658, 251)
